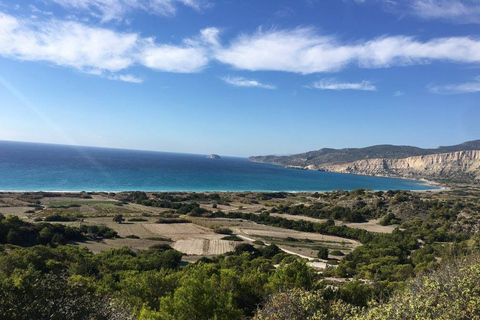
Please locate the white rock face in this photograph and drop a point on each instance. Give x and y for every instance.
(443, 165)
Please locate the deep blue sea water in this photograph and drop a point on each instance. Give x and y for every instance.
(45, 167)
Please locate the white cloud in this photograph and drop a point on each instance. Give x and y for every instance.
(468, 87)
(194, 54)
(66, 43)
(457, 11)
(174, 59)
(36, 10)
(398, 94)
(125, 78)
(460, 11)
(105, 51)
(210, 36)
(303, 51)
(243, 82)
(95, 50)
(108, 10)
(332, 84)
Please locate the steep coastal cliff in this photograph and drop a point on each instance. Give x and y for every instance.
(457, 165)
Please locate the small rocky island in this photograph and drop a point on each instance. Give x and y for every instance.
(213, 156)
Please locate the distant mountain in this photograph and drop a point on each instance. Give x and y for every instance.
(452, 163)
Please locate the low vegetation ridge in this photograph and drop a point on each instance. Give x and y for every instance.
(459, 163)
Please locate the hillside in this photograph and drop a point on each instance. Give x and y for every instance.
(454, 163)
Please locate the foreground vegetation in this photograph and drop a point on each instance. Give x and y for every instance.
(426, 268)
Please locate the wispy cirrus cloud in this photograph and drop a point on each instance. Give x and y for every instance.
(304, 51)
(333, 84)
(126, 78)
(460, 11)
(107, 10)
(244, 82)
(113, 76)
(468, 87)
(456, 11)
(97, 50)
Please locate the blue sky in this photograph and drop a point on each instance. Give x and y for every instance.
(242, 77)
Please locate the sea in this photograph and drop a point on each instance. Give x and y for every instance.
(47, 167)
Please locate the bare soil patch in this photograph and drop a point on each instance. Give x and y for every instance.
(16, 211)
(204, 246)
(371, 226)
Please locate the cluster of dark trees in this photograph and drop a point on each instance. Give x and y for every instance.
(15, 231)
(323, 211)
(328, 227)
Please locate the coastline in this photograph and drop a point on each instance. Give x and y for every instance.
(437, 185)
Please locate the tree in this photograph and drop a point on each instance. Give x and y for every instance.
(246, 247)
(271, 251)
(118, 218)
(53, 297)
(322, 253)
(295, 274)
(203, 294)
(13, 237)
(45, 235)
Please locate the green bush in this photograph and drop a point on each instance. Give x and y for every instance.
(322, 253)
(232, 238)
(223, 231)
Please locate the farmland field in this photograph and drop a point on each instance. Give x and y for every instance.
(140, 228)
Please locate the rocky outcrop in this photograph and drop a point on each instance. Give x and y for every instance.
(454, 166)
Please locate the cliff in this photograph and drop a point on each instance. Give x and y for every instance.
(454, 166)
(459, 163)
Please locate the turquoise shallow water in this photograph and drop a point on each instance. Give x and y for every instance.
(44, 167)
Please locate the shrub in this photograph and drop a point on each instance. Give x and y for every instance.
(137, 219)
(118, 218)
(60, 217)
(232, 238)
(271, 251)
(298, 304)
(389, 219)
(159, 239)
(166, 220)
(448, 293)
(322, 253)
(223, 231)
(337, 253)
